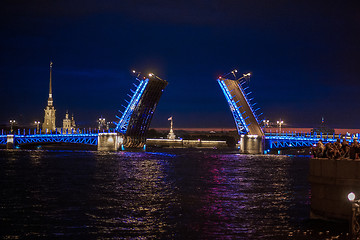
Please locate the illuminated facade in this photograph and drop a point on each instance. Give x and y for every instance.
(49, 118)
(68, 124)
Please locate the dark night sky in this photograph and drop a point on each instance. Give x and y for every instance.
(304, 56)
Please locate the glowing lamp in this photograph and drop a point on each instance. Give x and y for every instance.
(351, 196)
(150, 74)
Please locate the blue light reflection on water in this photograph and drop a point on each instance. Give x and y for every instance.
(173, 194)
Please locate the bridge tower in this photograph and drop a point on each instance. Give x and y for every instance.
(136, 118)
(49, 118)
(244, 113)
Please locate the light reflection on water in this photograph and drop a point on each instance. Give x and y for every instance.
(163, 195)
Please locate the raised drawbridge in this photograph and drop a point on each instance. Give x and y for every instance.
(243, 110)
(137, 115)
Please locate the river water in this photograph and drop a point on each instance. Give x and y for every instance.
(169, 194)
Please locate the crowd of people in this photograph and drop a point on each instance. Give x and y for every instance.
(337, 150)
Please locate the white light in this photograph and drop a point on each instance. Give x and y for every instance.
(133, 71)
(150, 74)
(351, 196)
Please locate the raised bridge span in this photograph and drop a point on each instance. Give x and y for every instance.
(247, 121)
(131, 127)
(133, 124)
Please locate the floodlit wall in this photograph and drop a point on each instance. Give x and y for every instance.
(331, 181)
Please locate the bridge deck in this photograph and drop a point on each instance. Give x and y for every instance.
(241, 102)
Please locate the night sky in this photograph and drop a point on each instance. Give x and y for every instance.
(303, 56)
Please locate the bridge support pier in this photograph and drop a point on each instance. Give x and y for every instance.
(251, 144)
(109, 141)
(10, 144)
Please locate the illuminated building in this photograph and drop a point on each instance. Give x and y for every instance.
(68, 124)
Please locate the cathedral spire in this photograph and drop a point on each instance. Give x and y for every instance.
(50, 100)
(50, 89)
(49, 118)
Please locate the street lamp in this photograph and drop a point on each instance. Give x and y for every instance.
(280, 123)
(266, 123)
(245, 75)
(101, 122)
(355, 214)
(37, 124)
(12, 122)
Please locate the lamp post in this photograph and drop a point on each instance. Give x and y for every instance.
(101, 122)
(355, 215)
(37, 124)
(266, 123)
(12, 122)
(280, 123)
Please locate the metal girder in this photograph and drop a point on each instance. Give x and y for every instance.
(90, 139)
(289, 141)
(3, 139)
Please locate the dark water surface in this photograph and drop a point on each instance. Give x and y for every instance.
(178, 194)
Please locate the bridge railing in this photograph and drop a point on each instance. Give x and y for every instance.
(312, 136)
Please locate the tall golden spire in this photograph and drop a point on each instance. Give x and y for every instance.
(50, 90)
(50, 100)
(49, 118)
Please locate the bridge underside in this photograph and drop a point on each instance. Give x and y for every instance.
(246, 121)
(244, 116)
(136, 119)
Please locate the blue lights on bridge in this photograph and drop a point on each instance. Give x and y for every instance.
(3, 139)
(123, 123)
(90, 139)
(241, 126)
(292, 140)
(272, 140)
